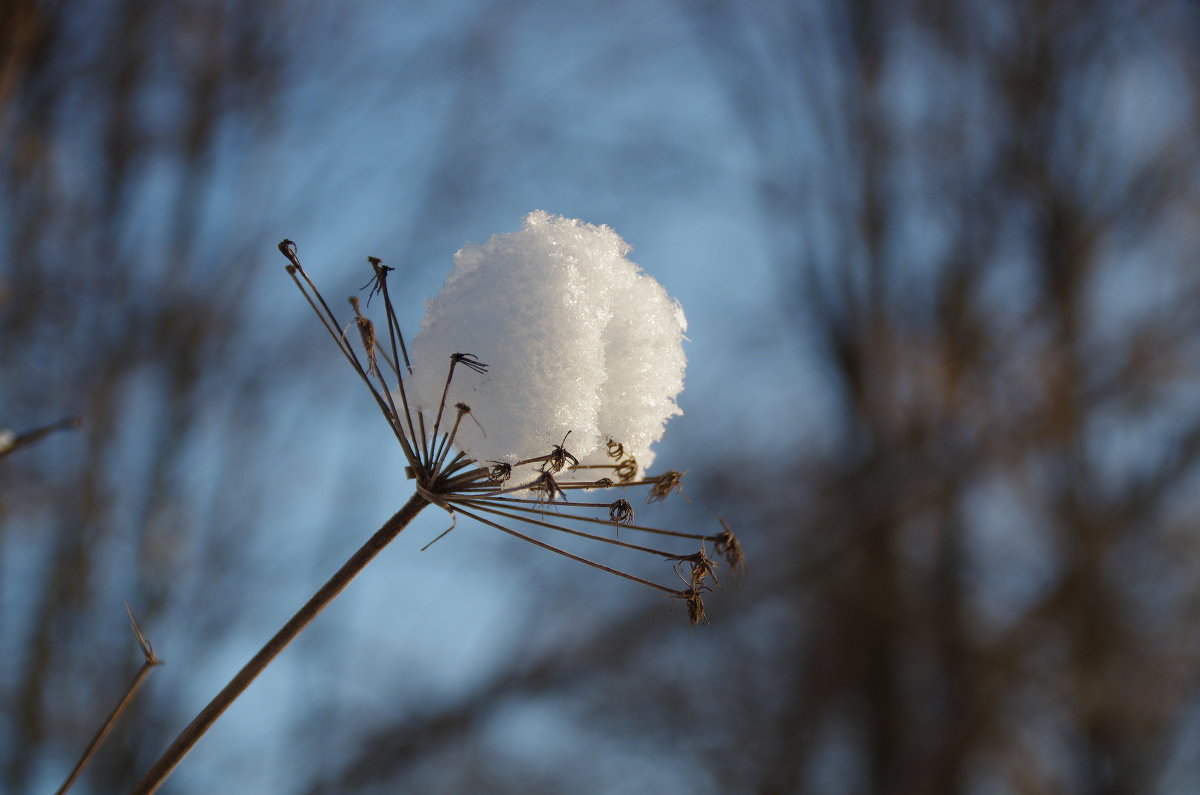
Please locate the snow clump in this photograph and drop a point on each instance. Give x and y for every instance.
(576, 338)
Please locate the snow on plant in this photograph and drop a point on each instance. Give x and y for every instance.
(578, 340)
(568, 360)
(544, 370)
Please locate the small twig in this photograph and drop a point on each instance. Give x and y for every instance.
(130, 692)
(443, 534)
(10, 442)
(157, 774)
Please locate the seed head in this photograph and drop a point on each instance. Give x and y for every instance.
(728, 547)
(582, 346)
(499, 472)
(664, 484)
(621, 512)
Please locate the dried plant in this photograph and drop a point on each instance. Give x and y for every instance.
(503, 495)
(150, 660)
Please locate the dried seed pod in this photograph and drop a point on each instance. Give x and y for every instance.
(547, 488)
(377, 281)
(620, 512)
(559, 457)
(695, 605)
(499, 472)
(727, 546)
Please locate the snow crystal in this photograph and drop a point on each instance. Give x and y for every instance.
(577, 338)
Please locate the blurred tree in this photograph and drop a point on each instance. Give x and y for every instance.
(978, 571)
(119, 305)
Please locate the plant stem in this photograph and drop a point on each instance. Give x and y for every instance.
(108, 724)
(202, 722)
(29, 437)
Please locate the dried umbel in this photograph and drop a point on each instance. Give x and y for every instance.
(574, 365)
(554, 335)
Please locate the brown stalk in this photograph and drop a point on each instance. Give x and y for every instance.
(437, 423)
(333, 327)
(448, 439)
(379, 285)
(122, 705)
(483, 506)
(29, 437)
(565, 554)
(202, 722)
(513, 505)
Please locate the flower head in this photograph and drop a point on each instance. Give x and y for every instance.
(575, 362)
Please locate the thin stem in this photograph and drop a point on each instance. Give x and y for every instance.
(460, 461)
(511, 489)
(333, 329)
(330, 321)
(566, 554)
(448, 439)
(387, 390)
(202, 722)
(428, 456)
(594, 520)
(394, 332)
(29, 437)
(393, 415)
(483, 506)
(394, 324)
(566, 503)
(437, 423)
(108, 724)
(475, 478)
(288, 249)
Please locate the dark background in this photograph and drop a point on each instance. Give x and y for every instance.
(939, 262)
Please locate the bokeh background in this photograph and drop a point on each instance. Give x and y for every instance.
(939, 261)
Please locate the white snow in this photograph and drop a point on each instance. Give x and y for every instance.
(576, 336)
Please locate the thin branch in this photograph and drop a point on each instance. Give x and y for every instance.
(202, 722)
(9, 442)
(150, 661)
